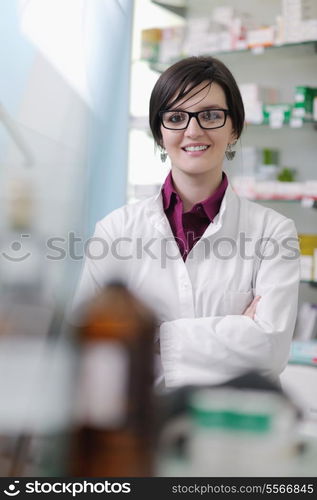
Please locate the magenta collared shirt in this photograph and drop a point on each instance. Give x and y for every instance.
(189, 227)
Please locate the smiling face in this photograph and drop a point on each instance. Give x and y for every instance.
(195, 150)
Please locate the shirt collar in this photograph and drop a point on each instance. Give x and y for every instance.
(210, 205)
(168, 191)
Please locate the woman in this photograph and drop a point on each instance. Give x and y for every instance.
(220, 272)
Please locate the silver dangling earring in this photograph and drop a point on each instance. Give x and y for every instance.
(229, 153)
(163, 155)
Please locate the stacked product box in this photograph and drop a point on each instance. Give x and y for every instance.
(171, 44)
(276, 115)
(300, 20)
(221, 29)
(204, 36)
(309, 19)
(261, 37)
(254, 96)
(308, 248)
(162, 45)
(262, 105)
(232, 28)
(302, 109)
(304, 352)
(304, 102)
(150, 44)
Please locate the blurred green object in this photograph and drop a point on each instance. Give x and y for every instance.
(270, 156)
(286, 175)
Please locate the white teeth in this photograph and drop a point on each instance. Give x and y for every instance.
(195, 148)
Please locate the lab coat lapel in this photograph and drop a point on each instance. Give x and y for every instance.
(157, 216)
(228, 215)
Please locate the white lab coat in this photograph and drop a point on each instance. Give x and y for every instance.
(204, 338)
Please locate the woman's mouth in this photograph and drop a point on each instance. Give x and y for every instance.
(195, 150)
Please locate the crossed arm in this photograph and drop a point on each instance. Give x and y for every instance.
(249, 311)
(214, 349)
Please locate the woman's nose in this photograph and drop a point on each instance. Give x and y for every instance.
(193, 129)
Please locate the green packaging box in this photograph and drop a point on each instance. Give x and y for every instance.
(276, 115)
(150, 44)
(304, 98)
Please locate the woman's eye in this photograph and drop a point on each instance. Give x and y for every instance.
(176, 118)
(211, 115)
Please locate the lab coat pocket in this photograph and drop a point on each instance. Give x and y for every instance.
(237, 302)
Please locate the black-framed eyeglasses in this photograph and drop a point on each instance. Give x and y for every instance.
(174, 119)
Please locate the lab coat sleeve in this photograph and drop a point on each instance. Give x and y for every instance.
(212, 350)
(100, 266)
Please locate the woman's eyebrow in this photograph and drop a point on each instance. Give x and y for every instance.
(211, 106)
(202, 108)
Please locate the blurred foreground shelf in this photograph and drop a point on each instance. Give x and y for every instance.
(300, 382)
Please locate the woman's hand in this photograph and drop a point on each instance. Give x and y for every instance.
(251, 309)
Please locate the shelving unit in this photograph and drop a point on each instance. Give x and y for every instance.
(160, 67)
(286, 200)
(284, 66)
(177, 7)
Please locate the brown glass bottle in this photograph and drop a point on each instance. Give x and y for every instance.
(114, 435)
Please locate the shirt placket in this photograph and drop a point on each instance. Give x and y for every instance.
(183, 285)
(186, 293)
(182, 243)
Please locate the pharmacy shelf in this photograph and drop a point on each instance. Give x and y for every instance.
(176, 6)
(304, 123)
(160, 67)
(283, 200)
(304, 202)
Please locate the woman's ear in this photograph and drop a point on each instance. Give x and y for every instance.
(233, 137)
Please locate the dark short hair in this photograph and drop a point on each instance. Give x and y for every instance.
(182, 77)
